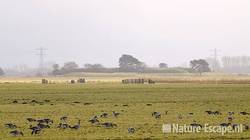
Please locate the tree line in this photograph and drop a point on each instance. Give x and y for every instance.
(128, 63)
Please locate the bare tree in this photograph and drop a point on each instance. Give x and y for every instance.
(236, 64)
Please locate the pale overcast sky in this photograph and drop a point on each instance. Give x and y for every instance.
(91, 31)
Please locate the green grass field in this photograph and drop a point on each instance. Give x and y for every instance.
(132, 101)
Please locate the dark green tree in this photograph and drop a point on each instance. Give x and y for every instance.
(56, 70)
(199, 66)
(128, 63)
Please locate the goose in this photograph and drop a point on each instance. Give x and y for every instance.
(213, 113)
(63, 126)
(196, 125)
(131, 130)
(225, 124)
(244, 113)
(157, 115)
(104, 115)
(115, 114)
(246, 127)
(41, 121)
(48, 121)
(231, 113)
(10, 125)
(154, 113)
(180, 117)
(217, 113)
(15, 102)
(43, 126)
(191, 114)
(36, 131)
(34, 127)
(16, 133)
(109, 125)
(64, 118)
(230, 119)
(76, 127)
(94, 120)
(209, 112)
(31, 120)
(234, 126)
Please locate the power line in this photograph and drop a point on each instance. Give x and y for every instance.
(41, 61)
(215, 59)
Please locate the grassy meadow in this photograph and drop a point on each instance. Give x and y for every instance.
(135, 103)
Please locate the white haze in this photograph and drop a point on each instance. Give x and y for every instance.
(99, 31)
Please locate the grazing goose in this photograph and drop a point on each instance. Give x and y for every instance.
(10, 126)
(213, 112)
(234, 126)
(131, 130)
(34, 127)
(63, 126)
(246, 127)
(41, 121)
(180, 117)
(115, 114)
(157, 115)
(191, 114)
(109, 125)
(230, 119)
(31, 120)
(225, 124)
(104, 115)
(49, 121)
(43, 126)
(16, 133)
(217, 113)
(231, 113)
(76, 127)
(15, 102)
(154, 113)
(196, 125)
(64, 118)
(46, 121)
(244, 113)
(36, 131)
(209, 112)
(94, 120)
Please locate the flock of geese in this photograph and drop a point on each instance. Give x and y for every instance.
(42, 124)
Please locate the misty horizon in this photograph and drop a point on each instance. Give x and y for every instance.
(173, 32)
